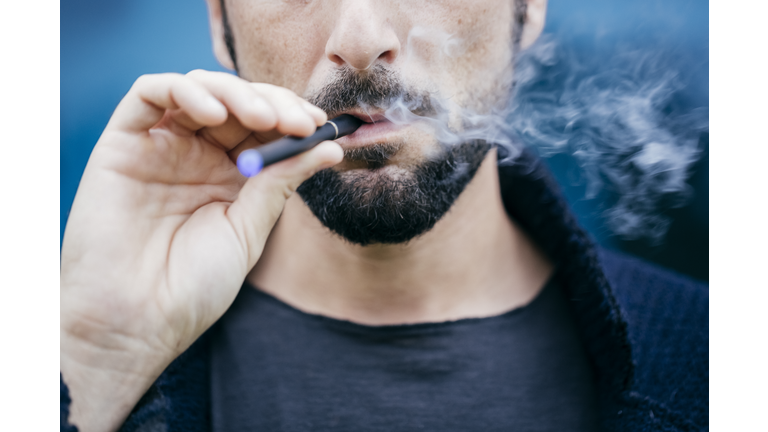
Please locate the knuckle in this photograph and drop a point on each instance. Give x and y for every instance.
(148, 80)
(288, 95)
(220, 80)
(281, 185)
(143, 81)
(184, 80)
(274, 91)
(289, 187)
(263, 87)
(196, 73)
(205, 77)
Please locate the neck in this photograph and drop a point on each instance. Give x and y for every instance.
(474, 263)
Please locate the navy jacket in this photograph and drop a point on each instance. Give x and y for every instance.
(646, 330)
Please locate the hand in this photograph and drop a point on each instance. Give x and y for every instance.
(164, 229)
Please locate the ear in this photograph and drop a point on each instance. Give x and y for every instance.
(216, 18)
(536, 13)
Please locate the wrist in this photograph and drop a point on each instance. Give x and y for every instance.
(106, 376)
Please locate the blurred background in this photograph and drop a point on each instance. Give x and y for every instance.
(105, 46)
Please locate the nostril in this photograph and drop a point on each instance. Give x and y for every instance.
(387, 56)
(336, 59)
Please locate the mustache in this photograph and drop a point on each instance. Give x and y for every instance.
(378, 88)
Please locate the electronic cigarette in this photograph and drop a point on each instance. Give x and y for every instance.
(250, 162)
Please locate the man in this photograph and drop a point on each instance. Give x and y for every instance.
(412, 283)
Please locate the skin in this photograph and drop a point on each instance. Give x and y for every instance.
(163, 230)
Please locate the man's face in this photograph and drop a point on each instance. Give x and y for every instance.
(383, 60)
(299, 44)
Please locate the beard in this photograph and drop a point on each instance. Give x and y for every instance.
(371, 205)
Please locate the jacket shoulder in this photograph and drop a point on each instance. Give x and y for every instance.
(667, 318)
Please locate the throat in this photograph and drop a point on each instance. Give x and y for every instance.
(475, 262)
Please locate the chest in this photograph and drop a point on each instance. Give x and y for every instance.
(276, 369)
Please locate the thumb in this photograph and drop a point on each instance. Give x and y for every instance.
(262, 198)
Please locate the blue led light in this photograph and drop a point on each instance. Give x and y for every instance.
(250, 163)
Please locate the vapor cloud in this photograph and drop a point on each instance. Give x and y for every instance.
(615, 115)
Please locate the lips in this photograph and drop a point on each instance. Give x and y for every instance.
(377, 129)
(370, 117)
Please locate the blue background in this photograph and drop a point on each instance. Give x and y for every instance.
(106, 45)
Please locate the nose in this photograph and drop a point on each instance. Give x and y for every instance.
(362, 35)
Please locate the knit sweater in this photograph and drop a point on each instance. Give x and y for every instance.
(646, 330)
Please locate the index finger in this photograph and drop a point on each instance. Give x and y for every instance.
(151, 95)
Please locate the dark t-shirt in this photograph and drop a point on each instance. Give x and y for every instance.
(275, 368)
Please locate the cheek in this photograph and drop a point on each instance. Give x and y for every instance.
(278, 42)
(485, 67)
(475, 61)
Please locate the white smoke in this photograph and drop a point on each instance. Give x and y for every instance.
(617, 119)
(613, 118)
